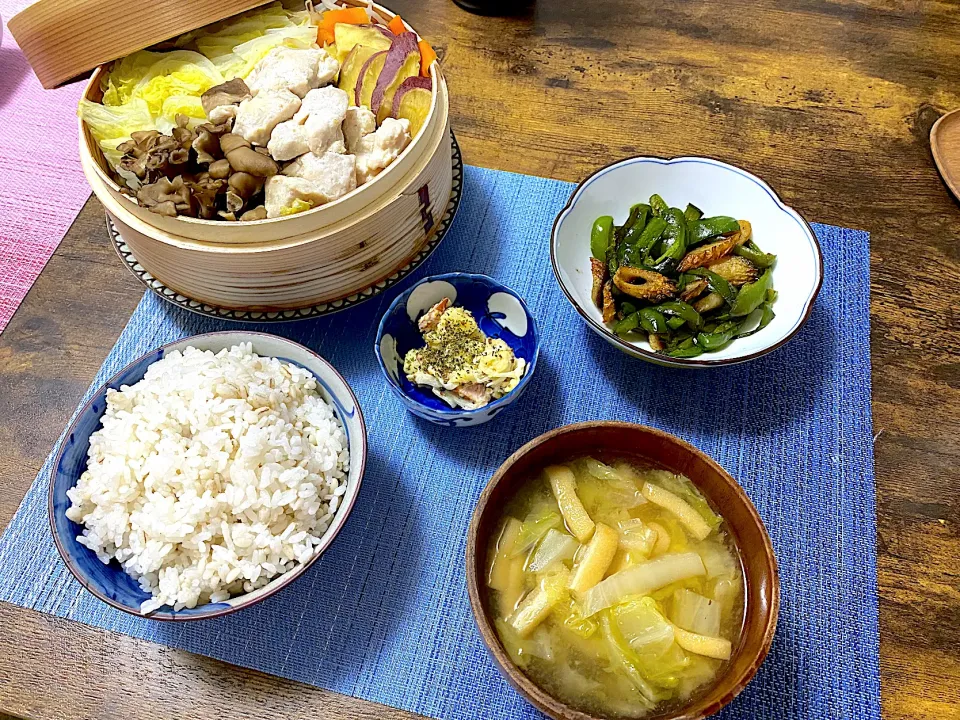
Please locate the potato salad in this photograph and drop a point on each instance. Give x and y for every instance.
(463, 367)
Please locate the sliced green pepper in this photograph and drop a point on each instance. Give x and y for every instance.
(652, 321)
(771, 295)
(675, 322)
(634, 232)
(751, 295)
(717, 284)
(621, 230)
(707, 228)
(600, 236)
(686, 349)
(658, 206)
(720, 336)
(629, 323)
(692, 213)
(627, 308)
(752, 253)
(766, 315)
(679, 308)
(635, 254)
(673, 243)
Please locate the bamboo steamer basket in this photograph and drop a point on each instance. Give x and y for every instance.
(319, 256)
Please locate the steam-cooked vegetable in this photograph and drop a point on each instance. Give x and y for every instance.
(672, 257)
(413, 101)
(367, 78)
(601, 625)
(351, 67)
(350, 36)
(402, 61)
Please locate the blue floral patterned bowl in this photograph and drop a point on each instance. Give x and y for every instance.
(109, 582)
(499, 311)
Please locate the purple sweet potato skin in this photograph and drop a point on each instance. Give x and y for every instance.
(414, 83)
(363, 71)
(403, 45)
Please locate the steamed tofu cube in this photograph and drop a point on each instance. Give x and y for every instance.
(378, 149)
(258, 116)
(296, 70)
(314, 179)
(359, 121)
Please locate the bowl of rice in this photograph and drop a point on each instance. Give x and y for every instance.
(207, 475)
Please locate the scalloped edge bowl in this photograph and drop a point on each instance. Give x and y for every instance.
(718, 189)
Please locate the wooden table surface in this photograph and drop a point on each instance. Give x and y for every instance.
(831, 102)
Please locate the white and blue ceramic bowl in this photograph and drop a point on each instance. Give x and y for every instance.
(718, 189)
(109, 582)
(499, 312)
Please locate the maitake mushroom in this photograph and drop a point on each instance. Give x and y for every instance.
(220, 102)
(148, 154)
(206, 172)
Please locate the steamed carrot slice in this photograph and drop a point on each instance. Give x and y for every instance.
(396, 25)
(427, 56)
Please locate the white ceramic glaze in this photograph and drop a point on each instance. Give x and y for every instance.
(717, 189)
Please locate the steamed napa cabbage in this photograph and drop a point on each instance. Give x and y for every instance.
(241, 61)
(156, 76)
(147, 90)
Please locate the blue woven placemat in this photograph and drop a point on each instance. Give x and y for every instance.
(384, 614)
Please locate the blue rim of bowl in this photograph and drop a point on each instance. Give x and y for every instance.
(452, 412)
(311, 311)
(666, 360)
(287, 578)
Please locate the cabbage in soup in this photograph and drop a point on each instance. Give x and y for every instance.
(615, 588)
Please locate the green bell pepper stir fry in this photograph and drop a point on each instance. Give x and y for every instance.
(688, 284)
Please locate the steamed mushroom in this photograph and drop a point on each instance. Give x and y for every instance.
(257, 213)
(220, 102)
(165, 194)
(243, 158)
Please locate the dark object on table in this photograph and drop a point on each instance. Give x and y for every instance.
(496, 7)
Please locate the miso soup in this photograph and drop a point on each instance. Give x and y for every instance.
(615, 588)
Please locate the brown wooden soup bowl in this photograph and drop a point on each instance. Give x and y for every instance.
(619, 440)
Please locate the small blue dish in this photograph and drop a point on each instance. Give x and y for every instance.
(109, 582)
(499, 312)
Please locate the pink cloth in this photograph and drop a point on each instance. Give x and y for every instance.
(42, 187)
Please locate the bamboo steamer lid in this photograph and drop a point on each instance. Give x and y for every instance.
(63, 39)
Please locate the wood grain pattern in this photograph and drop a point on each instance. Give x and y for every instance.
(945, 145)
(830, 101)
(63, 39)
